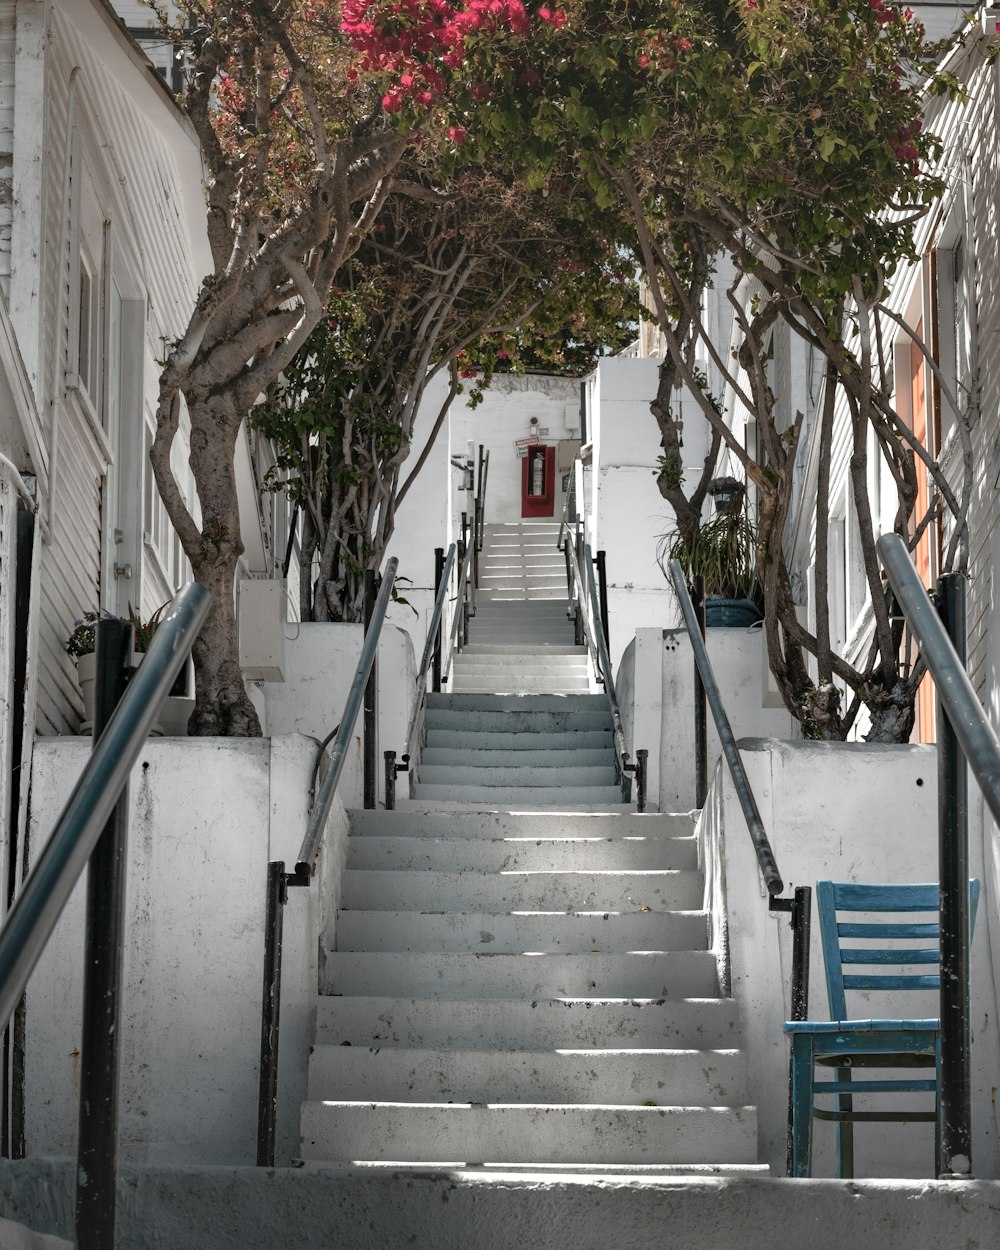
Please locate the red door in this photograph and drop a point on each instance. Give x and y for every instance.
(538, 482)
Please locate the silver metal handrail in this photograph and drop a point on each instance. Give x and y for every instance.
(32, 918)
(597, 646)
(456, 620)
(975, 734)
(306, 862)
(425, 659)
(751, 813)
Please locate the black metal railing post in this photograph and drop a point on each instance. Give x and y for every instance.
(700, 704)
(799, 908)
(436, 666)
(955, 1126)
(274, 924)
(600, 561)
(97, 1146)
(578, 631)
(370, 738)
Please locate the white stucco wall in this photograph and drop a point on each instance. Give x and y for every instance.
(320, 662)
(630, 514)
(207, 815)
(661, 661)
(847, 812)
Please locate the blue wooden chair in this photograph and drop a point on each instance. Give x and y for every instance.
(878, 952)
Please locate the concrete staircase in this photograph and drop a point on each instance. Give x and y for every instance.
(524, 991)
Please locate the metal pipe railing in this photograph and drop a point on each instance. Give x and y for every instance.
(799, 906)
(964, 735)
(278, 880)
(37, 908)
(306, 861)
(589, 619)
(758, 835)
(92, 833)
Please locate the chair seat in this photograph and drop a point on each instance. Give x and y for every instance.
(862, 1026)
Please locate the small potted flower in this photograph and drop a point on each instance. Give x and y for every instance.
(82, 645)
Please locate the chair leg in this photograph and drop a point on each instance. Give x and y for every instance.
(845, 1130)
(802, 1098)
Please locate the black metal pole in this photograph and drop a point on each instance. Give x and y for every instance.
(602, 591)
(641, 764)
(955, 1129)
(389, 759)
(579, 636)
(436, 666)
(700, 708)
(801, 933)
(270, 1016)
(97, 1146)
(370, 706)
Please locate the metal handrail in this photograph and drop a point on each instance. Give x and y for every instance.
(598, 649)
(425, 659)
(457, 617)
(278, 880)
(799, 906)
(964, 737)
(976, 736)
(34, 914)
(306, 862)
(758, 835)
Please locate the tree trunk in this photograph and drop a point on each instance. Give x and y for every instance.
(222, 705)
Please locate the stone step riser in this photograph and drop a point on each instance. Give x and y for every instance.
(436, 824)
(513, 685)
(423, 854)
(599, 798)
(660, 890)
(529, 758)
(514, 703)
(460, 1133)
(489, 933)
(675, 974)
(464, 775)
(501, 727)
(543, 651)
(568, 740)
(530, 1024)
(610, 1078)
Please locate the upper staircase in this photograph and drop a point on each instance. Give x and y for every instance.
(531, 990)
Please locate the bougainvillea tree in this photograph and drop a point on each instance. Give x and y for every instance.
(783, 143)
(302, 135)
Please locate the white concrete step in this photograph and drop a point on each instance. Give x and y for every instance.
(480, 854)
(642, 974)
(433, 823)
(528, 757)
(579, 933)
(503, 720)
(584, 798)
(478, 684)
(601, 774)
(533, 662)
(667, 889)
(539, 650)
(464, 1133)
(518, 703)
(535, 1024)
(621, 1077)
(513, 595)
(485, 740)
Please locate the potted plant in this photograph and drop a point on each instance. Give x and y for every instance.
(723, 553)
(82, 643)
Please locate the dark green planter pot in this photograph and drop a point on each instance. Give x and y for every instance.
(731, 613)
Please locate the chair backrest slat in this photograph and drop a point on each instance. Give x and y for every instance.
(914, 943)
(850, 955)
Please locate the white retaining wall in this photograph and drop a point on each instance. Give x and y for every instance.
(660, 662)
(206, 817)
(320, 660)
